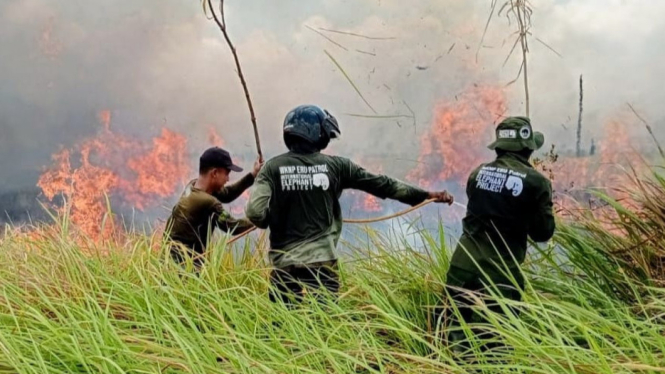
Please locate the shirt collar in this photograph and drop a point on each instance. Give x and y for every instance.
(517, 157)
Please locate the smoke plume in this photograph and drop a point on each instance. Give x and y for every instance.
(157, 64)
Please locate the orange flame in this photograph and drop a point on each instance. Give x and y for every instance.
(137, 173)
(152, 169)
(452, 146)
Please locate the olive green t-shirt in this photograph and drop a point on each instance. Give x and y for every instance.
(297, 196)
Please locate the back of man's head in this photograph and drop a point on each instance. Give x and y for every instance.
(298, 144)
(309, 129)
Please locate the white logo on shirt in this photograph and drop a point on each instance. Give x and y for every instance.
(515, 184)
(493, 179)
(321, 180)
(304, 178)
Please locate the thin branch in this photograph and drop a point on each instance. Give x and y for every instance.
(357, 35)
(221, 10)
(222, 26)
(365, 52)
(327, 38)
(487, 25)
(413, 114)
(517, 40)
(503, 7)
(525, 49)
(550, 48)
(519, 74)
(349, 79)
(205, 10)
(660, 149)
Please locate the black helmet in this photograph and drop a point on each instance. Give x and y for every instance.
(311, 123)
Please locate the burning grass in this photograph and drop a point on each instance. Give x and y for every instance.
(111, 165)
(598, 309)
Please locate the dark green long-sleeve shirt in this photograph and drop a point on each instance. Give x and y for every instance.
(297, 197)
(197, 213)
(508, 201)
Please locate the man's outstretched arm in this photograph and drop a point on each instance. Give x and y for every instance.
(385, 187)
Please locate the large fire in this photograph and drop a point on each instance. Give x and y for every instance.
(456, 143)
(143, 174)
(140, 174)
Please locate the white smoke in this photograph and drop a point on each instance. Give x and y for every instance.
(156, 63)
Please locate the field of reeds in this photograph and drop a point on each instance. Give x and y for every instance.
(594, 303)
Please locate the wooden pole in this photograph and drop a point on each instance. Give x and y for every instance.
(221, 23)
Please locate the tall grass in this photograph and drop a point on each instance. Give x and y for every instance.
(622, 246)
(129, 310)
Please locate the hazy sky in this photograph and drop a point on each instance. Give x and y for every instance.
(160, 63)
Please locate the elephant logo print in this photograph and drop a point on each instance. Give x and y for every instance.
(515, 184)
(321, 180)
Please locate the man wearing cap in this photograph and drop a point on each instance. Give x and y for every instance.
(508, 201)
(297, 194)
(199, 210)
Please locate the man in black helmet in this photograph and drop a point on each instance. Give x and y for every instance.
(297, 194)
(508, 201)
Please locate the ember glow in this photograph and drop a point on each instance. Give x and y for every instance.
(140, 174)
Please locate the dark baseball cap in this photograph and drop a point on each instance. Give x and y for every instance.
(216, 157)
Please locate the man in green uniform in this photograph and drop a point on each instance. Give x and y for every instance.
(200, 210)
(508, 201)
(297, 194)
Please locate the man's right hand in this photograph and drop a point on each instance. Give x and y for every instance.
(258, 164)
(442, 197)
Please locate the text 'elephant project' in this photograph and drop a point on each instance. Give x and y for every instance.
(495, 179)
(303, 178)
